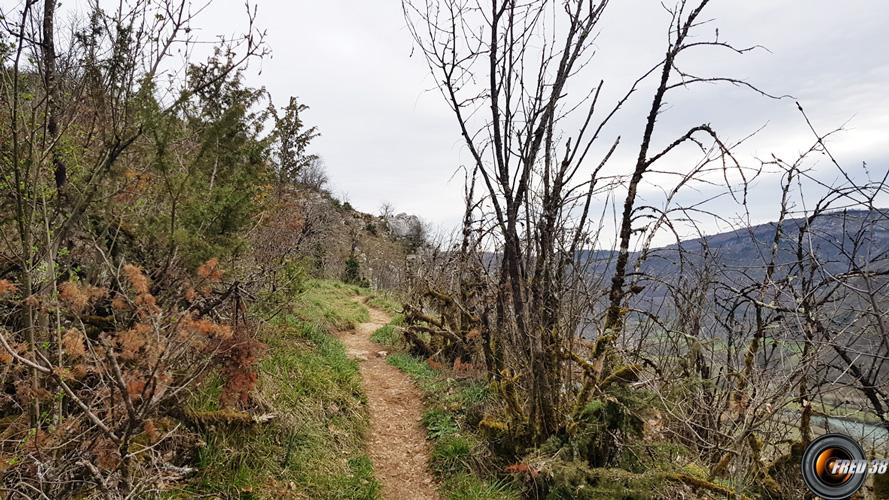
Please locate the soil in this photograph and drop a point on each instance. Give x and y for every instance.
(397, 443)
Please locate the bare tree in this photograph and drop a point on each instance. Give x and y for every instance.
(313, 175)
(386, 210)
(504, 69)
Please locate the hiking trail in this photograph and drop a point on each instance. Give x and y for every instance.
(397, 442)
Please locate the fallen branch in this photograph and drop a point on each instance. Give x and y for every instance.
(230, 418)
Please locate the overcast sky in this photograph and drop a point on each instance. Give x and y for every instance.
(387, 138)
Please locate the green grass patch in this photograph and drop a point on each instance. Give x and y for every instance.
(427, 378)
(439, 423)
(452, 454)
(383, 301)
(315, 446)
(331, 305)
(389, 336)
(463, 486)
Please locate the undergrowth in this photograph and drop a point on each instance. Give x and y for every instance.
(314, 447)
(473, 456)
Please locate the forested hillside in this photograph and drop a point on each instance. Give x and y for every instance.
(162, 223)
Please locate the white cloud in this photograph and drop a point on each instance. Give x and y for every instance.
(387, 138)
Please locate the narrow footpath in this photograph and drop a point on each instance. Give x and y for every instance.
(397, 445)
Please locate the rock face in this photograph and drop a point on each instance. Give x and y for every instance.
(333, 233)
(403, 225)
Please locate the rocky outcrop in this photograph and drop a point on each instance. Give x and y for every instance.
(335, 233)
(404, 225)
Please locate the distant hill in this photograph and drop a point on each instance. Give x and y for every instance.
(835, 239)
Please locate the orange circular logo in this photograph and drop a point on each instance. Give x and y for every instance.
(834, 467)
(826, 465)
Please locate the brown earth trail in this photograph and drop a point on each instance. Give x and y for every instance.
(397, 444)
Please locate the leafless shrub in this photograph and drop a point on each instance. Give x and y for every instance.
(729, 349)
(313, 175)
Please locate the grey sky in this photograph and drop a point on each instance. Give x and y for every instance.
(386, 137)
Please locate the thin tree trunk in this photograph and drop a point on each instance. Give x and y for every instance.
(52, 132)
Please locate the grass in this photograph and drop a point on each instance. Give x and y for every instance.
(315, 446)
(331, 305)
(458, 456)
(389, 336)
(384, 301)
(418, 370)
(469, 486)
(386, 335)
(439, 423)
(452, 453)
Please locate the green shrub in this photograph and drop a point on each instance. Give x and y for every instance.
(352, 272)
(604, 424)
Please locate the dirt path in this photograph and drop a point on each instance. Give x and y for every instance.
(397, 444)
